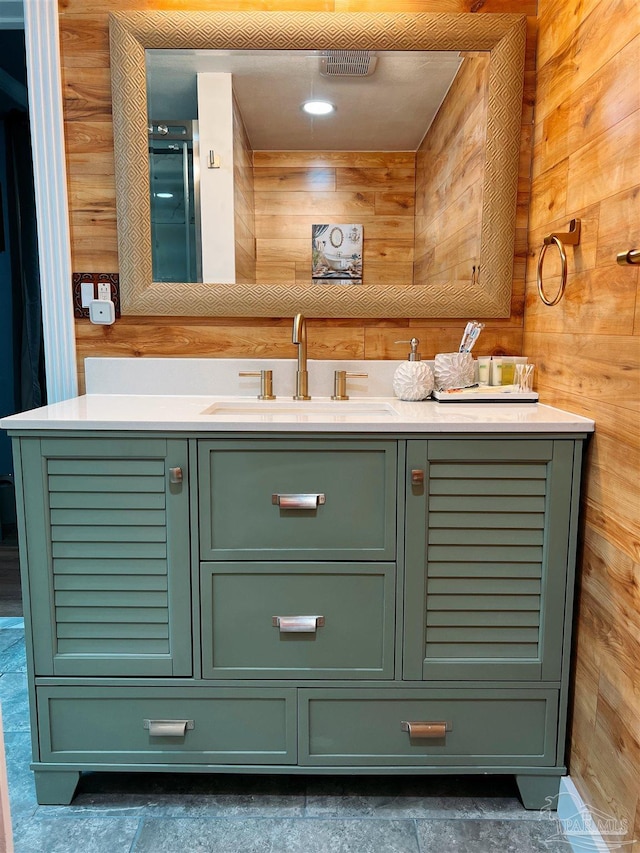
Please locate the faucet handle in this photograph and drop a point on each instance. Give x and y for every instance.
(340, 383)
(266, 382)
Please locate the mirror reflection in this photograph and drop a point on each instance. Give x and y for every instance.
(240, 174)
(419, 214)
(175, 206)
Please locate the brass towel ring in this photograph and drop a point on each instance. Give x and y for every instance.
(572, 238)
(563, 260)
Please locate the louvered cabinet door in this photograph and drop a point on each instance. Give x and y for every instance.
(107, 546)
(489, 542)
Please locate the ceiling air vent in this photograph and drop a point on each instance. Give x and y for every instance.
(348, 63)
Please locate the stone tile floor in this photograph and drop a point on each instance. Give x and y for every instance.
(200, 813)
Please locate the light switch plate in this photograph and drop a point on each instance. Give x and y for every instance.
(94, 285)
(102, 311)
(87, 293)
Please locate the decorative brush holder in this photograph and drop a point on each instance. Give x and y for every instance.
(454, 370)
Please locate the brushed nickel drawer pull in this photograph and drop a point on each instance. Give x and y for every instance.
(175, 475)
(168, 728)
(426, 730)
(297, 624)
(307, 501)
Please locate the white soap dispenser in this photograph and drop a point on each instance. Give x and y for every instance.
(413, 379)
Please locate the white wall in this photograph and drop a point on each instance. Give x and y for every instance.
(215, 118)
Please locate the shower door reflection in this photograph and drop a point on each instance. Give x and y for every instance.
(174, 180)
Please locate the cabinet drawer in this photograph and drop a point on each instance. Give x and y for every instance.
(354, 637)
(107, 725)
(247, 490)
(487, 727)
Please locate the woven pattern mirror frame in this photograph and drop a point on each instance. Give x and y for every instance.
(133, 32)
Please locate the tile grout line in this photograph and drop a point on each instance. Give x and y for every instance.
(136, 837)
(417, 836)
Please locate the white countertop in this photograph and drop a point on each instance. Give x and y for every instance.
(169, 395)
(188, 413)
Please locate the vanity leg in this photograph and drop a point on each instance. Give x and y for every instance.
(55, 787)
(538, 792)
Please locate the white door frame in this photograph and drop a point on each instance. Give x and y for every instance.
(52, 209)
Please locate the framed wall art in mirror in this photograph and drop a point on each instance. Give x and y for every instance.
(133, 34)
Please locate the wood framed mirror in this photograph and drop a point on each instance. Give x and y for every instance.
(486, 295)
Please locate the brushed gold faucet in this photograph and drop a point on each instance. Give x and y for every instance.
(299, 338)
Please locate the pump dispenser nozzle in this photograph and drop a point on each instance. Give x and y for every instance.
(414, 355)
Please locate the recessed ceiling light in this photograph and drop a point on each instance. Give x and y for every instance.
(318, 108)
(164, 195)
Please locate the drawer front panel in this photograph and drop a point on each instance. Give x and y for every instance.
(356, 603)
(107, 725)
(353, 516)
(501, 726)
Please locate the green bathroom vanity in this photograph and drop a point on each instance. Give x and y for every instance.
(298, 593)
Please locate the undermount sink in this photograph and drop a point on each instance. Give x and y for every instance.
(335, 408)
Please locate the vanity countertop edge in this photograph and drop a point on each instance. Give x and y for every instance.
(171, 413)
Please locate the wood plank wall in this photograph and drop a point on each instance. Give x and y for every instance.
(295, 189)
(89, 145)
(243, 201)
(449, 179)
(587, 352)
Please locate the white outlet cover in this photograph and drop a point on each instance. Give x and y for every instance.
(102, 312)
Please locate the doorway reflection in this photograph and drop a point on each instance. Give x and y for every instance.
(175, 226)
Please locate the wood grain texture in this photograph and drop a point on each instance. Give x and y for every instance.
(334, 159)
(610, 653)
(243, 201)
(588, 34)
(437, 337)
(290, 198)
(587, 352)
(610, 95)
